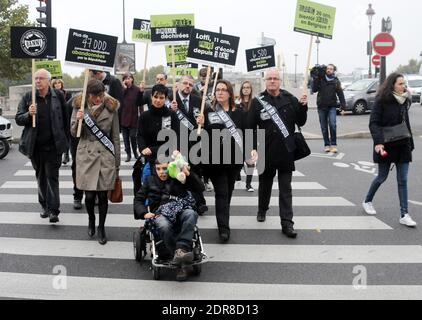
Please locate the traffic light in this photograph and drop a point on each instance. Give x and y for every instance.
(45, 13)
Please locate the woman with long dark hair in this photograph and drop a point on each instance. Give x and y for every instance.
(245, 102)
(391, 109)
(223, 115)
(97, 160)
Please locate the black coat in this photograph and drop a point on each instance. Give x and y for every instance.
(194, 108)
(386, 114)
(158, 192)
(292, 113)
(328, 91)
(150, 123)
(60, 123)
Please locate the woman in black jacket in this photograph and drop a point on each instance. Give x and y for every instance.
(391, 109)
(223, 173)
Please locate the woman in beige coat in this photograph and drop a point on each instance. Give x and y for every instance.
(96, 166)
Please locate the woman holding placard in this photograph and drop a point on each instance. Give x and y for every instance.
(224, 169)
(98, 153)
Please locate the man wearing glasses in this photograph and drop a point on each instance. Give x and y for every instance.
(278, 145)
(45, 143)
(188, 107)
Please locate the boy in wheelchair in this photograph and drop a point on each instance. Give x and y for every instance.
(172, 207)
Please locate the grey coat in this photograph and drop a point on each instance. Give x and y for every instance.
(96, 167)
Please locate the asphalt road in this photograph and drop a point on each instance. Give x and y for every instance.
(337, 242)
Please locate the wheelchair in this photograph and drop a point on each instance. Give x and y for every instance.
(147, 237)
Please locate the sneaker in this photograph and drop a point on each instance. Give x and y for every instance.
(250, 189)
(333, 149)
(77, 204)
(327, 149)
(54, 218)
(44, 214)
(182, 256)
(209, 187)
(408, 221)
(369, 208)
(181, 274)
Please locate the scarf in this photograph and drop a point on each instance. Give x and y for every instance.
(401, 97)
(330, 78)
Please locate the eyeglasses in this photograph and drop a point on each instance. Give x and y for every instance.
(273, 79)
(221, 90)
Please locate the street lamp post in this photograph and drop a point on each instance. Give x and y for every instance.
(317, 41)
(370, 13)
(296, 70)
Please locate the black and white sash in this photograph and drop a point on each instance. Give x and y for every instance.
(230, 125)
(275, 117)
(182, 116)
(99, 134)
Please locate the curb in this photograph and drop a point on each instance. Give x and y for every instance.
(351, 135)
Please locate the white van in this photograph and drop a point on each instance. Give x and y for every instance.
(414, 84)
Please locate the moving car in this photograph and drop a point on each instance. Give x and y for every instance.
(360, 95)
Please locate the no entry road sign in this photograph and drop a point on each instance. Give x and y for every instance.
(376, 60)
(384, 44)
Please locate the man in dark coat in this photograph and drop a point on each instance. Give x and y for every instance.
(329, 88)
(45, 143)
(277, 156)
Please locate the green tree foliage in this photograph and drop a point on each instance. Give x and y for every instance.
(12, 14)
(412, 68)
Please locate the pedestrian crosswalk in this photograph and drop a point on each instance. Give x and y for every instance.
(258, 262)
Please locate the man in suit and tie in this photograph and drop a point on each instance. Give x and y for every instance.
(188, 107)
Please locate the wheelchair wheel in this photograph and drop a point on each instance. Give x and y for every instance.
(139, 245)
(197, 269)
(156, 273)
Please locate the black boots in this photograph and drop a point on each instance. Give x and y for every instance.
(91, 227)
(102, 239)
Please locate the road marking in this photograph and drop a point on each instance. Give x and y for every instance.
(209, 222)
(415, 203)
(330, 155)
(410, 254)
(40, 287)
(128, 185)
(122, 173)
(236, 201)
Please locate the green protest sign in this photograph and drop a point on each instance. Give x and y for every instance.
(180, 53)
(315, 19)
(171, 29)
(141, 30)
(52, 66)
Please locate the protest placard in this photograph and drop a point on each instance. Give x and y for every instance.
(171, 29)
(53, 66)
(125, 59)
(261, 58)
(315, 19)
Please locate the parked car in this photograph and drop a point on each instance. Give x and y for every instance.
(360, 95)
(414, 84)
(5, 136)
(346, 81)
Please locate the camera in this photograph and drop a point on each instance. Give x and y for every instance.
(319, 71)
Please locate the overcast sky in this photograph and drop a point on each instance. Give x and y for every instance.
(248, 19)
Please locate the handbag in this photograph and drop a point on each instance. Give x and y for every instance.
(116, 195)
(396, 133)
(302, 149)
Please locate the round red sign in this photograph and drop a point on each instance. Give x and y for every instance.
(376, 60)
(384, 44)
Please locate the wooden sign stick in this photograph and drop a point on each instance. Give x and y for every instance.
(145, 64)
(78, 134)
(305, 83)
(173, 73)
(204, 96)
(215, 82)
(34, 124)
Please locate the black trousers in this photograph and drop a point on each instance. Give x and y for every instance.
(199, 197)
(77, 194)
(47, 165)
(223, 178)
(285, 198)
(129, 138)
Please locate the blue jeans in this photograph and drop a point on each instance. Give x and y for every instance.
(180, 234)
(328, 118)
(402, 174)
